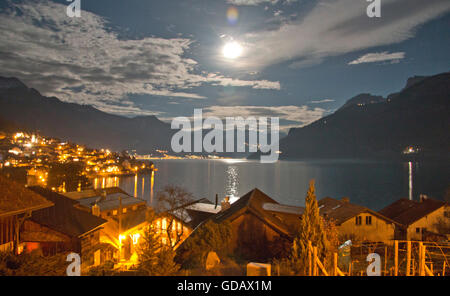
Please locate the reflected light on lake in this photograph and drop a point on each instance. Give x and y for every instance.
(135, 185)
(152, 182)
(368, 183)
(410, 173)
(231, 189)
(231, 161)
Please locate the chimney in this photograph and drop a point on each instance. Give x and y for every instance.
(217, 201)
(423, 197)
(96, 210)
(345, 199)
(225, 204)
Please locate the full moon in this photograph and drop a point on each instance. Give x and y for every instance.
(232, 50)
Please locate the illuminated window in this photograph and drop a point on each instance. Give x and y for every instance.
(164, 224)
(115, 212)
(135, 237)
(164, 241)
(124, 210)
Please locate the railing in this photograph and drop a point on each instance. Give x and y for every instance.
(408, 263)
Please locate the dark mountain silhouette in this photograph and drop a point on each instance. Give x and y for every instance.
(7, 126)
(413, 80)
(26, 107)
(363, 99)
(419, 115)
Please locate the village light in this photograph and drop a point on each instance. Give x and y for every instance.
(135, 237)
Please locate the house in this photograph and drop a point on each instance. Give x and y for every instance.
(63, 228)
(261, 227)
(108, 202)
(92, 192)
(17, 204)
(418, 217)
(176, 224)
(125, 215)
(357, 222)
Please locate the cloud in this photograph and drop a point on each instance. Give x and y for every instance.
(322, 101)
(258, 2)
(290, 116)
(256, 84)
(336, 27)
(378, 57)
(251, 2)
(83, 60)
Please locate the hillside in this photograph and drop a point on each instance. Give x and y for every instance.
(419, 115)
(26, 107)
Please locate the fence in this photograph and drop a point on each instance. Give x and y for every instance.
(405, 258)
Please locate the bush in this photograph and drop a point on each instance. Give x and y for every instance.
(207, 237)
(32, 264)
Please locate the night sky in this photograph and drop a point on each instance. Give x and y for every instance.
(296, 59)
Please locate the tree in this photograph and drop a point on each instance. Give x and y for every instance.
(171, 200)
(312, 229)
(209, 236)
(154, 258)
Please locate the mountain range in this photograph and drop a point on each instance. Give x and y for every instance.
(366, 126)
(26, 107)
(371, 126)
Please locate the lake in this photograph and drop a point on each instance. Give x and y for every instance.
(368, 183)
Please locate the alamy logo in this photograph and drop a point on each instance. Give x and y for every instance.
(214, 142)
(74, 8)
(74, 268)
(374, 8)
(374, 268)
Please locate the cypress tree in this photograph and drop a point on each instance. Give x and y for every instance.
(312, 230)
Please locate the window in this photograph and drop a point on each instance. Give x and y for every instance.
(124, 210)
(115, 212)
(368, 220)
(358, 220)
(417, 230)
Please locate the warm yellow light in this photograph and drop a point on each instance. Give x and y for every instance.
(232, 50)
(135, 237)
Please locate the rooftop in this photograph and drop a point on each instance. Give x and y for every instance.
(282, 218)
(63, 216)
(341, 210)
(406, 212)
(16, 199)
(111, 201)
(92, 192)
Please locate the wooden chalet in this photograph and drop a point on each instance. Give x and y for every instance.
(17, 204)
